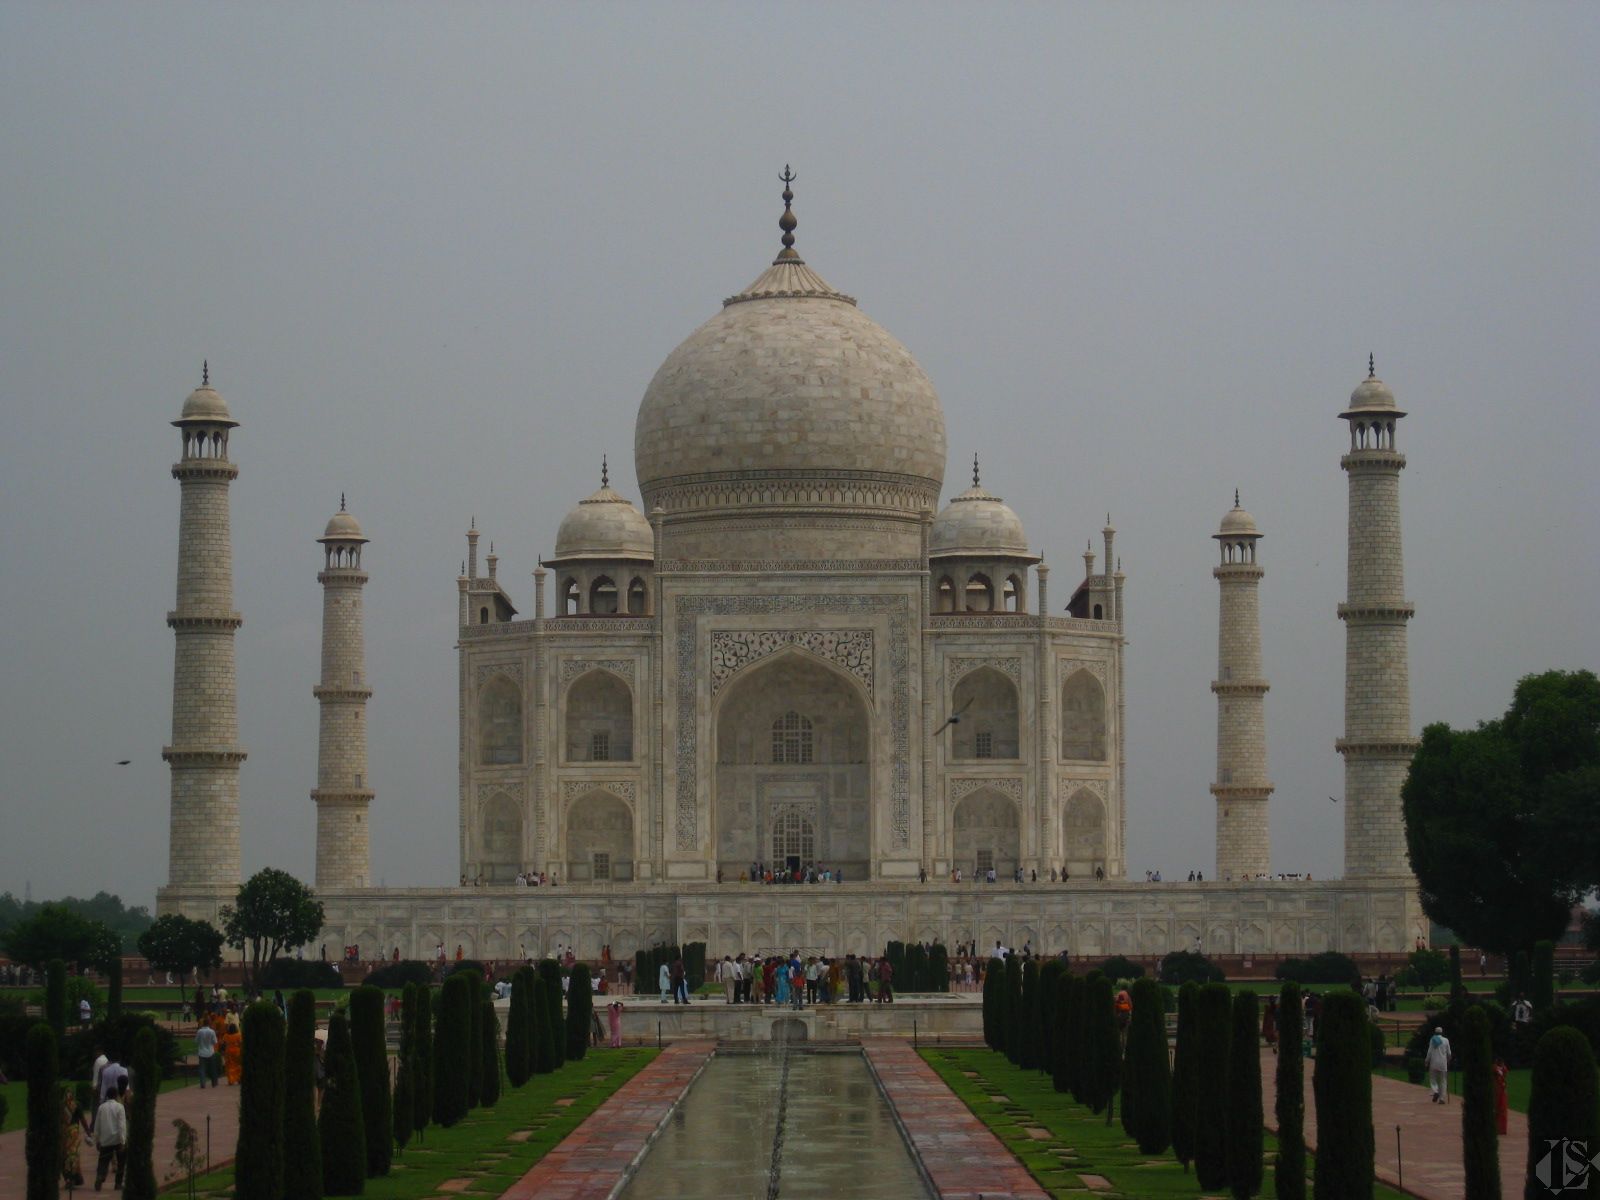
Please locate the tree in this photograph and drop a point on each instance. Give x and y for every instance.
(180, 944)
(519, 1048)
(490, 1052)
(56, 931)
(993, 999)
(55, 997)
(580, 1008)
(474, 1039)
(1544, 975)
(371, 1048)
(1146, 1079)
(1458, 989)
(302, 1147)
(1061, 1040)
(1289, 1172)
(542, 1050)
(1078, 1038)
(1049, 997)
(258, 1161)
(1013, 1003)
(42, 1146)
(405, 1100)
(139, 1172)
(1185, 1084)
(1213, 1026)
(1480, 1149)
(1342, 1086)
(1244, 1099)
(1103, 1048)
(1028, 1037)
(422, 1043)
(273, 912)
(114, 988)
(339, 1125)
(1503, 821)
(550, 972)
(451, 1046)
(1563, 1106)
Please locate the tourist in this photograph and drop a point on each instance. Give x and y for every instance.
(1438, 1063)
(797, 981)
(233, 1054)
(728, 977)
(1521, 1011)
(781, 978)
(885, 986)
(83, 1010)
(106, 1080)
(680, 982)
(1500, 1104)
(111, 1137)
(74, 1124)
(205, 1049)
(614, 1017)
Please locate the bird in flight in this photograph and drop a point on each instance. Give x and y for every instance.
(954, 718)
(122, 762)
(1335, 799)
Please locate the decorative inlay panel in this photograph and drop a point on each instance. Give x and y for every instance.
(1070, 786)
(960, 667)
(690, 608)
(571, 668)
(733, 650)
(1010, 785)
(571, 789)
(511, 670)
(1067, 667)
(510, 788)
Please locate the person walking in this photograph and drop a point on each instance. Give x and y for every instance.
(664, 981)
(1438, 1063)
(233, 1054)
(205, 1049)
(885, 982)
(111, 1137)
(727, 976)
(680, 982)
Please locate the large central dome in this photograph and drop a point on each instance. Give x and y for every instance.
(790, 398)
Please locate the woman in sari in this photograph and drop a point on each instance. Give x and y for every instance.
(783, 984)
(233, 1054)
(74, 1124)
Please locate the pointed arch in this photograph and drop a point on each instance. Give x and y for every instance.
(987, 702)
(980, 593)
(499, 722)
(1083, 717)
(598, 718)
(599, 838)
(570, 602)
(986, 833)
(500, 838)
(1015, 594)
(638, 598)
(603, 599)
(944, 596)
(1083, 833)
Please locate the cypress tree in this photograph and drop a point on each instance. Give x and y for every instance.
(541, 1058)
(55, 997)
(1544, 975)
(258, 1160)
(1480, 1149)
(139, 1172)
(1014, 1015)
(340, 1127)
(474, 1037)
(1103, 1043)
(489, 1051)
(1213, 1024)
(450, 1050)
(42, 1146)
(371, 1047)
(1185, 1066)
(1029, 1036)
(1049, 997)
(519, 1057)
(1244, 1098)
(302, 1147)
(1289, 1172)
(993, 1017)
(1563, 1103)
(1061, 1044)
(550, 972)
(405, 1086)
(114, 988)
(1077, 1041)
(422, 1047)
(1146, 1077)
(580, 1007)
(1341, 1083)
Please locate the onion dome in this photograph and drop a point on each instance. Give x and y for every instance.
(1237, 523)
(977, 524)
(205, 405)
(1372, 396)
(342, 526)
(791, 396)
(605, 525)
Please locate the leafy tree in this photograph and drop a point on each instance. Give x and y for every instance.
(1424, 968)
(42, 1146)
(368, 1040)
(490, 1052)
(56, 931)
(259, 1160)
(339, 1125)
(1185, 1082)
(1342, 1086)
(451, 1050)
(302, 1147)
(55, 997)
(273, 912)
(1503, 821)
(1213, 1025)
(1244, 1099)
(1289, 1172)
(1181, 966)
(102, 908)
(1013, 1003)
(1028, 1037)
(1146, 1079)
(1563, 1103)
(405, 1100)
(181, 944)
(580, 1008)
(1120, 967)
(1480, 1150)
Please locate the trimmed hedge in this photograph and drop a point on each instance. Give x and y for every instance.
(994, 978)
(519, 1043)
(1544, 975)
(580, 1007)
(451, 1050)
(114, 988)
(55, 997)
(1119, 967)
(1013, 1002)
(340, 1126)
(1328, 967)
(302, 1147)
(1146, 1079)
(299, 973)
(1184, 966)
(1244, 1099)
(258, 1158)
(1185, 1084)
(489, 1051)
(550, 972)
(1342, 1085)
(1289, 1172)
(422, 1077)
(399, 974)
(1061, 1041)
(42, 1145)
(1213, 1027)
(1049, 996)
(1029, 1036)
(1480, 1149)
(405, 1074)
(474, 1038)
(367, 1037)
(1563, 1103)
(541, 1051)
(1102, 1047)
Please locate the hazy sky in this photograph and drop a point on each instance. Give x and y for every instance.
(435, 252)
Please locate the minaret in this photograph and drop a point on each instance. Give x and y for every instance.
(1377, 743)
(203, 844)
(344, 856)
(1242, 787)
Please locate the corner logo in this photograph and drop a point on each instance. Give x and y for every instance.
(1566, 1166)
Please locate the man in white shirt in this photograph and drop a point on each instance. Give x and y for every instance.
(100, 1062)
(83, 1011)
(111, 1138)
(1438, 1063)
(205, 1048)
(109, 1074)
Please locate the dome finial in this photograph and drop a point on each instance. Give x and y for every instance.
(205, 372)
(1372, 366)
(341, 501)
(1236, 497)
(788, 221)
(974, 469)
(605, 472)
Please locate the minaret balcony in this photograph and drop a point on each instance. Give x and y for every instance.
(337, 796)
(1403, 611)
(1391, 748)
(198, 756)
(1373, 460)
(208, 622)
(1240, 687)
(205, 468)
(1243, 791)
(346, 695)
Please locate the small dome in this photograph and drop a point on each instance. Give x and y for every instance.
(205, 404)
(342, 526)
(977, 523)
(605, 525)
(1372, 393)
(1237, 523)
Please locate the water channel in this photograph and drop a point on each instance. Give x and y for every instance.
(780, 1123)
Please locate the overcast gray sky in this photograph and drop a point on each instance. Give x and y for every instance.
(435, 252)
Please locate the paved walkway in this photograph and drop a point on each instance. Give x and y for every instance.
(962, 1158)
(1430, 1136)
(591, 1161)
(193, 1103)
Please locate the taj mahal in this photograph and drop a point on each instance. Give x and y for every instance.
(788, 653)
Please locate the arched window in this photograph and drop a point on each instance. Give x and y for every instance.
(986, 701)
(598, 715)
(1013, 594)
(638, 598)
(500, 722)
(570, 597)
(980, 594)
(791, 739)
(1083, 718)
(501, 839)
(794, 839)
(944, 599)
(1099, 612)
(483, 616)
(603, 597)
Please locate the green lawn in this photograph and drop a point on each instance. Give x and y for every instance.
(1011, 1101)
(491, 1148)
(1519, 1082)
(16, 1095)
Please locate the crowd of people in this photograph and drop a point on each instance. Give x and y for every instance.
(791, 980)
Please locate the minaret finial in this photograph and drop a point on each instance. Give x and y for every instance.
(1372, 366)
(605, 473)
(974, 469)
(341, 501)
(205, 372)
(1236, 497)
(788, 221)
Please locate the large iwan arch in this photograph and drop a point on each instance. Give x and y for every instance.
(985, 833)
(599, 839)
(598, 719)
